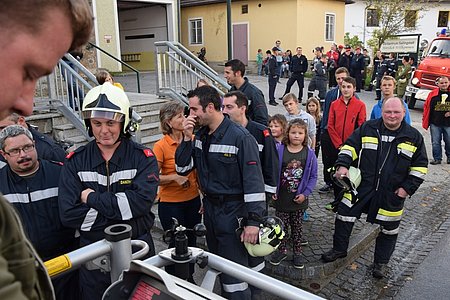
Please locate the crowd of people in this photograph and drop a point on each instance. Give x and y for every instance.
(223, 162)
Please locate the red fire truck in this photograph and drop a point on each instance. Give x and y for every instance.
(435, 63)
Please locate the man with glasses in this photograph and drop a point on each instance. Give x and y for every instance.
(45, 146)
(31, 186)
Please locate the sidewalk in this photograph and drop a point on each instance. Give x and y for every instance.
(320, 227)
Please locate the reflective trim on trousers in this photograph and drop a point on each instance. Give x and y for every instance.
(259, 267)
(390, 232)
(345, 218)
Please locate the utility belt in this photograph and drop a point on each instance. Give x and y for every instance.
(217, 199)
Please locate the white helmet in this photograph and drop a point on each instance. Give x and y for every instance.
(108, 102)
(270, 235)
(351, 181)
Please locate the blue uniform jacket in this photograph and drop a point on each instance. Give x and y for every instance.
(36, 200)
(125, 189)
(227, 163)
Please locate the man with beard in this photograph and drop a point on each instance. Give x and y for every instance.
(229, 172)
(31, 186)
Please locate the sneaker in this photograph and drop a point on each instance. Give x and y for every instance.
(332, 255)
(298, 262)
(435, 162)
(325, 189)
(305, 216)
(277, 258)
(379, 270)
(304, 242)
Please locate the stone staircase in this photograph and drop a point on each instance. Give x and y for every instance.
(53, 123)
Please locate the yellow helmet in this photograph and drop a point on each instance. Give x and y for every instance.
(107, 102)
(270, 235)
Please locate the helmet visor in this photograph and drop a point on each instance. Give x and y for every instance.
(100, 114)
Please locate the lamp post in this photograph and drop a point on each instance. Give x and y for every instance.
(229, 29)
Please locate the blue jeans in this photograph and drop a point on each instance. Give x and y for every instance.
(437, 134)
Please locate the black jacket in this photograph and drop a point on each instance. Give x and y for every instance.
(36, 201)
(299, 65)
(125, 189)
(257, 109)
(384, 171)
(227, 163)
(267, 155)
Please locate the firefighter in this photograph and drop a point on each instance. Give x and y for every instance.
(227, 161)
(393, 161)
(108, 181)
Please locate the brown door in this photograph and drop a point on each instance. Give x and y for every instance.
(240, 42)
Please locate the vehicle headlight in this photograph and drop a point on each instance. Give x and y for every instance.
(415, 81)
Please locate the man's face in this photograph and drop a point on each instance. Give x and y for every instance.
(277, 43)
(365, 52)
(25, 57)
(299, 51)
(230, 76)
(291, 107)
(387, 88)
(20, 153)
(393, 112)
(231, 109)
(347, 89)
(340, 78)
(443, 84)
(379, 54)
(196, 110)
(106, 132)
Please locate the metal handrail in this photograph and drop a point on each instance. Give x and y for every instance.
(123, 63)
(179, 70)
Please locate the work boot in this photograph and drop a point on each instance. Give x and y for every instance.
(435, 162)
(332, 255)
(277, 258)
(379, 270)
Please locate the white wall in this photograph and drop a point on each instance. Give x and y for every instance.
(427, 25)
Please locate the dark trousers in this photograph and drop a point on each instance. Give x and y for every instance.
(93, 283)
(332, 78)
(385, 242)
(329, 155)
(358, 78)
(273, 79)
(378, 88)
(221, 224)
(317, 84)
(187, 215)
(300, 82)
(67, 286)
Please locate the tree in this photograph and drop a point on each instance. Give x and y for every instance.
(394, 17)
(352, 41)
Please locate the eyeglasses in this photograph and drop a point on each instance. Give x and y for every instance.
(16, 151)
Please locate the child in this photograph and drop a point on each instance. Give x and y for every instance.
(259, 61)
(298, 177)
(104, 76)
(313, 108)
(277, 125)
(291, 104)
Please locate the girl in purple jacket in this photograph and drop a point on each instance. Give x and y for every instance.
(298, 177)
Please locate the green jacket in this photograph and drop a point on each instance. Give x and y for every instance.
(22, 273)
(403, 76)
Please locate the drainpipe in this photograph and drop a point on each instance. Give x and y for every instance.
(229, 29)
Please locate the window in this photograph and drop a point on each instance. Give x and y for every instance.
(244, 9)
(410, 18)
(443, 19)
(373, 18)
(329, 27)
(196, 31)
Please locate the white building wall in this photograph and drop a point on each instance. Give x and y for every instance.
(426, 25)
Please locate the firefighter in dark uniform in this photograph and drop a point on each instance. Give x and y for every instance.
(45, 146)
(381, 70)
(393, 163)
(108, 181)
(376, 62)
(235, 106)
(229, 171)
(31, 186)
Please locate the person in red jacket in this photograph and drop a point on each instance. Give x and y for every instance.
(346, 114)
(436, 115)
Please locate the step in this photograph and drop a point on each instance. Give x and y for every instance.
(149, 116)
(149, 141)
(65, 131)
(43, 121)
(150, 129)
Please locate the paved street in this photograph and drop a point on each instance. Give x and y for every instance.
(425, 222)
